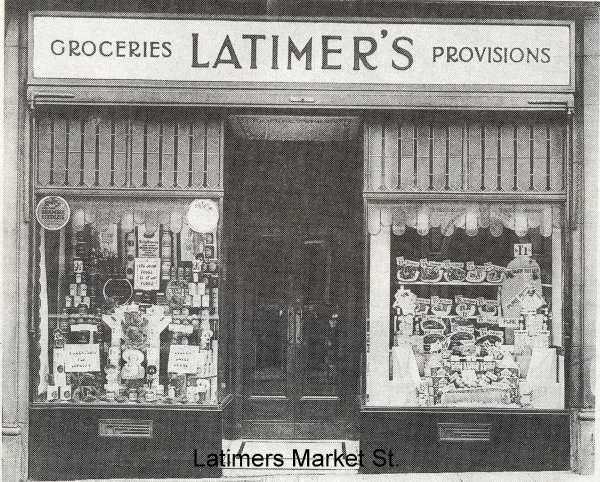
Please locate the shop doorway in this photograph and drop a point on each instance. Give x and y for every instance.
(294, 239)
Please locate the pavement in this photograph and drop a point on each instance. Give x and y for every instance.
(290, 472)
(445, 477)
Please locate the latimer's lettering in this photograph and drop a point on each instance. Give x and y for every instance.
(301, 54)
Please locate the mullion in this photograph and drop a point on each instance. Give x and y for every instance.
(399, 184)
(160, 152)
(499, 155)
(97, 154)
(145, 154)
(483, 157)
(447, 167)
(431, 175)
(82, 151)
(190, 155)
(67, 128)
(112, 149)
(175, 152)
(548, 157)
(531, 157)
(51, 180)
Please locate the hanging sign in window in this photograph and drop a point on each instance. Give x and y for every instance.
(82, 358)
(250, 51)
(183, 359)
(148, 243)
(147, 274)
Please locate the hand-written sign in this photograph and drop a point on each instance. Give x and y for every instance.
(183, 359)
(147, 274)
(82, 358)
(368, 53)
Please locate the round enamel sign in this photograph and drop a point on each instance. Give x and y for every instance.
(53, 213)
(203, 215)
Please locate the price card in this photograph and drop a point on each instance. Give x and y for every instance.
(82, 358)
(522, 249)
(505, 322)
(183, 359)
(522, 338)
(147, 274)
(181, 328)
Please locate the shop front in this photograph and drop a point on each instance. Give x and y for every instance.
(308, 228)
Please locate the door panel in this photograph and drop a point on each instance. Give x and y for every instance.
(270, 345)
(318, 353)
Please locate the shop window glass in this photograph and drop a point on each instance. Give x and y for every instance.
(127, 306)
(475, 305)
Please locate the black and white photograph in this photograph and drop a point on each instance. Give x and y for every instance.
(278, 240)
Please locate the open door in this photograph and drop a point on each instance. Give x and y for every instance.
(297, 246)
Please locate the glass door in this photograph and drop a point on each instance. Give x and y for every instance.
(293, 358)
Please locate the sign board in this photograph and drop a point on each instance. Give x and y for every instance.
(82, 358)
(298, 52)
(183, 359)
(148, 244)
(147, 274)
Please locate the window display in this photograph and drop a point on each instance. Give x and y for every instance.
(476, 305)
(128, 302)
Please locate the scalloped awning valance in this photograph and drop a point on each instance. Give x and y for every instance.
(468, 216)
(100, 214)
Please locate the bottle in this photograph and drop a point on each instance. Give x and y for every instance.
(521, 323)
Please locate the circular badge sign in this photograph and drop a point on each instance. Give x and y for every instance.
(53, 213)
(118, 290)
(203, 215)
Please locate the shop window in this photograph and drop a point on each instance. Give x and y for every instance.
(474, 295)
(128, 305)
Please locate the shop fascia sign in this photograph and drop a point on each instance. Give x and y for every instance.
(315, 53)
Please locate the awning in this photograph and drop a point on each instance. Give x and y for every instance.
(468, 216)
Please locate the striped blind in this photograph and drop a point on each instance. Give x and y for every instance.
(466, 154)
(128, 148)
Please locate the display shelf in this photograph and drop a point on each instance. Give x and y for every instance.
(456, 283)
(101, 405)
(447, 283)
